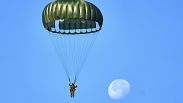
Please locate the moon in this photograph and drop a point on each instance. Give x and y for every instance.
(118, 89)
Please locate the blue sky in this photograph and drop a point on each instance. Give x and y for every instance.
(141, 41)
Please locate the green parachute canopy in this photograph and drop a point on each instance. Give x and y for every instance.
(72, 17)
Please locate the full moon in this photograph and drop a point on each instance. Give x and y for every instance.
(118, 88)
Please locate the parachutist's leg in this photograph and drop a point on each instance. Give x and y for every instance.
(71, 93)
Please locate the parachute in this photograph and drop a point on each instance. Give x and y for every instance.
(73, 27)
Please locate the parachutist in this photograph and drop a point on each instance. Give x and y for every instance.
(73, 87)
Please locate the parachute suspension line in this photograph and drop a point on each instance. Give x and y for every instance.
(73, 51)
(86, 46)
(79, 39)
(76, 37)
(75, 80)
(82, 47)
(64, 38)
(71, 54)
(76, 58)
(56, 38)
